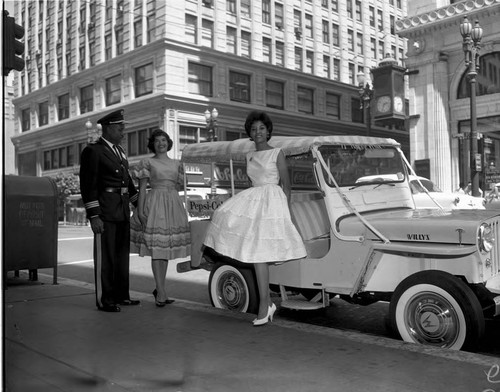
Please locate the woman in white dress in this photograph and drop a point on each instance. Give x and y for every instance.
(160, 227)
(255, 225)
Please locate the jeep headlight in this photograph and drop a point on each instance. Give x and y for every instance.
(485, 238)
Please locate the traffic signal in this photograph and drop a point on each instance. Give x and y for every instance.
(13, 49)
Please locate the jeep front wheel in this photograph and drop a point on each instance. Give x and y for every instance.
(437, 309)
(233, 289)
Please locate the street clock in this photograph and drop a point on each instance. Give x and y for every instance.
(388, 91)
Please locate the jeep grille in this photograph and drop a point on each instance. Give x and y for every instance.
(495, 253)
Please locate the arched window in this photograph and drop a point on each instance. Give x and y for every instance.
(488, 77)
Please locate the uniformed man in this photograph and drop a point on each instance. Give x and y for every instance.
(107, 189)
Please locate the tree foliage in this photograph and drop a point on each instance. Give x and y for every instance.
(67, 184)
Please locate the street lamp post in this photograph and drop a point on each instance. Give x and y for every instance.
(471, 45)
(211, 119)
(92, 134)
(365, 94)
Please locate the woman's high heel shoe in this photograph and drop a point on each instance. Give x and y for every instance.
(271, 311)
(269, 317)
(161, 304)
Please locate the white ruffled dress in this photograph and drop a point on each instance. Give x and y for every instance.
(255, 226)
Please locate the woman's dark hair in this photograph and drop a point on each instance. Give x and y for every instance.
(258, 116)
(154, 135)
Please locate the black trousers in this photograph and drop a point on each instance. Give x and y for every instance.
(112, 263)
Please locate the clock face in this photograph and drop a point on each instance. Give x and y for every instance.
(384, 104)
(398, 104)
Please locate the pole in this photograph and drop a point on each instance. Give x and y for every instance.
(473, 130)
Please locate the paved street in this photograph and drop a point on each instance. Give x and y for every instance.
(55, 340)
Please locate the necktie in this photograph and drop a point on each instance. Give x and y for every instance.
(118, 153)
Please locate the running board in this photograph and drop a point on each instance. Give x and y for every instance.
(321, 300)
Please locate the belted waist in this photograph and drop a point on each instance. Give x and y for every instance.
(121, 191)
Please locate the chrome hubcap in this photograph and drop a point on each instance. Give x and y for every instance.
(431, 319)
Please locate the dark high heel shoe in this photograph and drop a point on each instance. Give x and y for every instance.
(161, 304)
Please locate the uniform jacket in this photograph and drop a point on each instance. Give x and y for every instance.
(101, 168)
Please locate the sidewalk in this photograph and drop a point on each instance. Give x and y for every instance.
(55, 340)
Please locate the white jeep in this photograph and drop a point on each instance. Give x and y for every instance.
(366, 241)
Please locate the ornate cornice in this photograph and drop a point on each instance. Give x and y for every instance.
(445, 14)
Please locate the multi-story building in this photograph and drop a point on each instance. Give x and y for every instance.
(165, 62)
(439, 90)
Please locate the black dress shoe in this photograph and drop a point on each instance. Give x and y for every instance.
(129, 302)
(110, 308)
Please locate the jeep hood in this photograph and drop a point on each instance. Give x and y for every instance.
(420, 225)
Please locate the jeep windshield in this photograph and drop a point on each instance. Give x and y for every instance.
(351, 166)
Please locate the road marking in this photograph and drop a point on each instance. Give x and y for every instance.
(461, 356)
(75, 239)
(77, 262)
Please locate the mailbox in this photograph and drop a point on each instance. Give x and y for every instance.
(30, 223)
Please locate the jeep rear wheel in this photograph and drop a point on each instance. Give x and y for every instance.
(437, 309)
(233, 289)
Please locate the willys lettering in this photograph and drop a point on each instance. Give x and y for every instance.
(418, 237)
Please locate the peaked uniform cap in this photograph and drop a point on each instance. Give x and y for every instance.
(115, 117)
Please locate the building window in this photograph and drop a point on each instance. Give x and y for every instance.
(278, 15)
(326, 67)
(43, 113)
(333, 105)
(349, 8)
(151, 27)
(92, 54)
(356, 111)
(207, 33)
(381, 49)
(109, 11)
(280, 53)
(350, 40)
(380, 20)
(231, 40)
(336, 69)
(137, 142)
(359, 44)
(392, 21)
(63, 106)
(231, 6)
(359, 15)
(309, 62)
(352, 73)
(191, 135)
(246, 6)
(82, 58)
(138, 33)
(267, 50)
(275, 94)
(25, 120)
(119, 41)
(68, 67)
(298, 59)
(113, 90)
(86, 99)
(373, 48)
(144, 80)
(326, 31)
(191, 31)
(335, 35)
(335, 6)
(266, 11)
(372, 16)
(239, 87)
(305, 101)
(309, 26)
(246, 44)
(200, 79)
(107, 47)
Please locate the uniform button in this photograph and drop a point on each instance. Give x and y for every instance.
(116, 171)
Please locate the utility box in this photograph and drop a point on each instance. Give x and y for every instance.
(30, 223)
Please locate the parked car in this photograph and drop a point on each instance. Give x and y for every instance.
(447, 200)
(366, 241)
